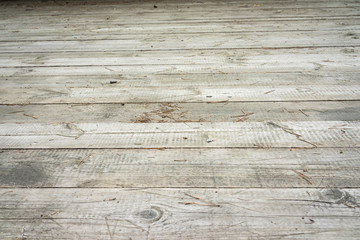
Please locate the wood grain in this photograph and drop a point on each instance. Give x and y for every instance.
(183, 112)
(169, 168)
(178, 135)
(179, 119)
(190, 41)
(157, 213)
(111, 30)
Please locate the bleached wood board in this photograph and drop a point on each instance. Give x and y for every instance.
(157, 214)
(254, 75)
(179, 135)
(180, 12)
(46, 31)
(313, 61)
(171, 168)
(175, 17)
(244, 79)
(97, 5)
(175, 94)
(183, 112)
(203, 225)
(313, 58)
(243, 40)
(82, 203)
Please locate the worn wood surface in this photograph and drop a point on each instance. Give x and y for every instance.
(201, 41)
(160, 213)
(179, 119)
(182, 112)
(177, 135)
(192, 168)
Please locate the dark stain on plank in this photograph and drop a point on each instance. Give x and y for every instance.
(23, 175)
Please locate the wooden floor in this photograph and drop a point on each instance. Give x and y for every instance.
(174, 119)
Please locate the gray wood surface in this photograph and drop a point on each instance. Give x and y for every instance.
(47, 31)
(179, 119)
(186, 168)
(178, 135)
(160, 213)
(191, 41)
(182, 112)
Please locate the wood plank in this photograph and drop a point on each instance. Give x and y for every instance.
(310, 61)
(46, 31)
(169, 5)
(175, 94)
(244, 79)
(187, 227)
(157, 213)
(248, 75)
(182, 11)
(179, 135)
(183, 112)
(76, 203)
(176, 16)
(243, 40)
(327, 57)
(172, 168)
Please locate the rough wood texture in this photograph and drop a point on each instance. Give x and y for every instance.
(174, 119)
(161, 214)
(183, 112)
(193, 168)
(177, 135)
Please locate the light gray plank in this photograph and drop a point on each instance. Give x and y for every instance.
(190, 226)
(96, 6)
(76, 203)
(318, 58)
(266, 75)
(180, 12)
(183, 112)
(313, 61)
(46, 31)
(176, 94)
(190, 41)
(244, 79)
(178, 135)
(171, 168)
(157, 214)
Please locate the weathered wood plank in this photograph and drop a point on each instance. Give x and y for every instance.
(313, 61)
(97, 5)
(243, 79)
(45, 31)
(183, 80)
(178, 135)
(171, 168)
(180, 168)
(176, 94)
(183, 112)
(177, 12)
(76, 203)
(243, 58)
(159, 214)
(243, 40)
(248, 75)
(176, 18)
(189, 226)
